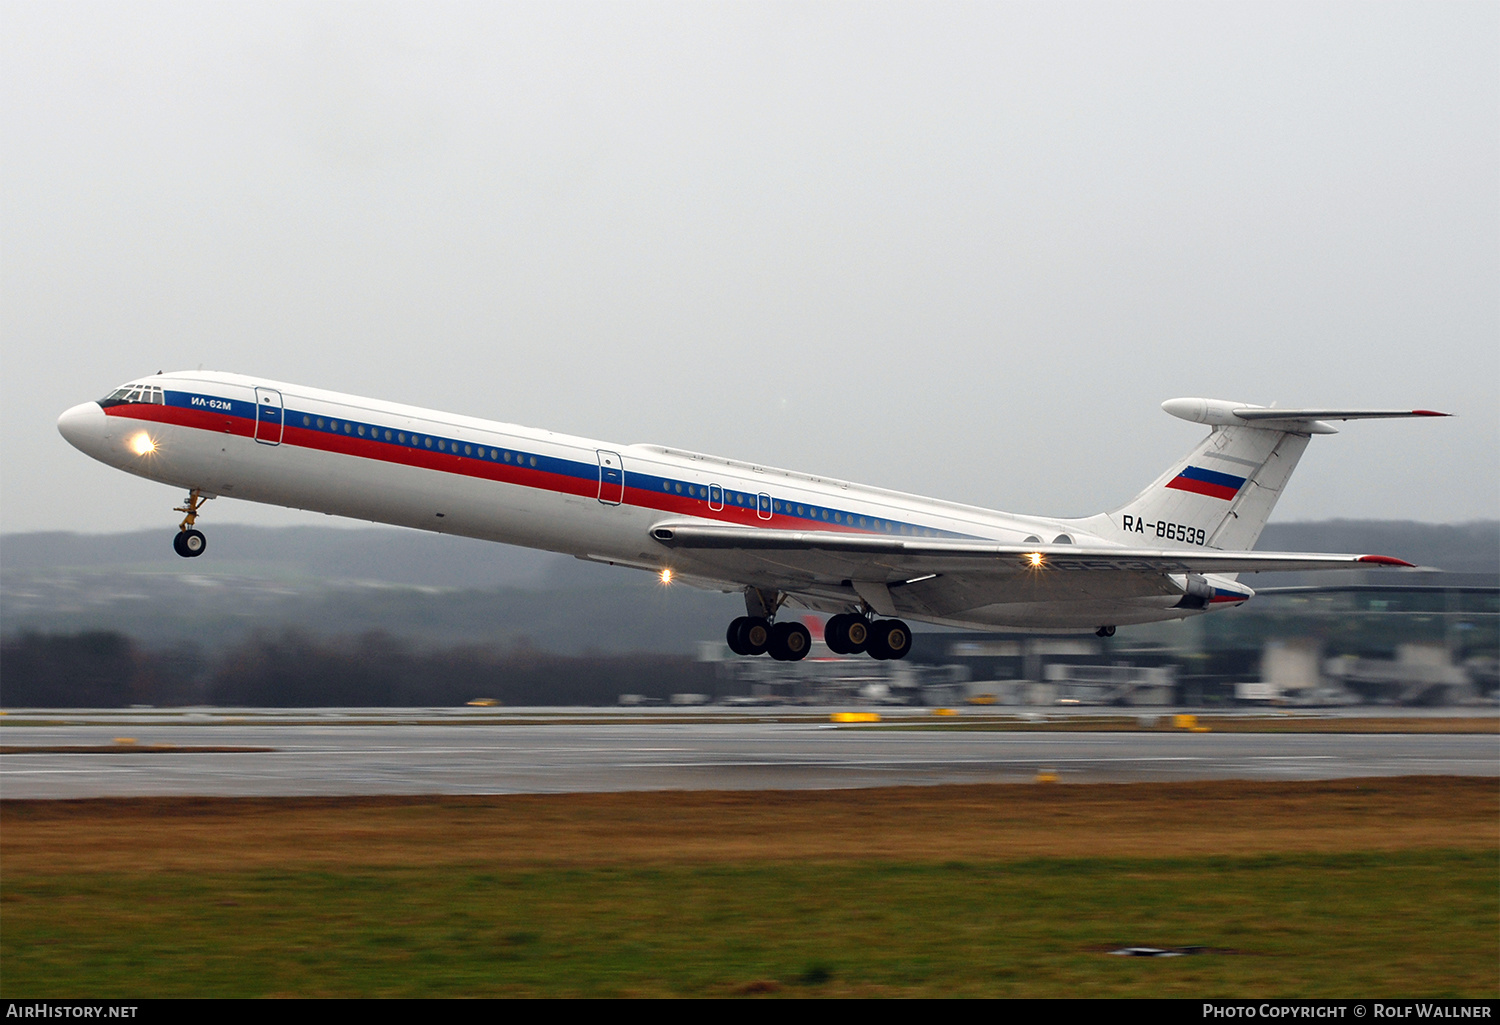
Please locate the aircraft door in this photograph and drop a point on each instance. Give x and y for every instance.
(611, 478)
(268, 416)
(763, 506)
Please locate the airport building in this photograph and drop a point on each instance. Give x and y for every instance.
(1432, 639)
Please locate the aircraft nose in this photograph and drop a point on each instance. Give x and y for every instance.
(83, 426)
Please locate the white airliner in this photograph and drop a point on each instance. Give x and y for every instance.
(780, 537)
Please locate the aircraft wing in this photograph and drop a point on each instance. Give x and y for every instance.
(947, 579)
(902, 558)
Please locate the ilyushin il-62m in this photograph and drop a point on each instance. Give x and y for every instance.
(783, 539)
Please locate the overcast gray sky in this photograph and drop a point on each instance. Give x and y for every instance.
(962, 250)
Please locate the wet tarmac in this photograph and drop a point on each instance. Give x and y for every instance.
(487, 750)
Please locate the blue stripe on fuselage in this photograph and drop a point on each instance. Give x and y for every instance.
(687, 497)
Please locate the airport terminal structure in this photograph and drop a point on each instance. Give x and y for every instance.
(1432, 642)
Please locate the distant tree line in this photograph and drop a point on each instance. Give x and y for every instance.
(290, 669)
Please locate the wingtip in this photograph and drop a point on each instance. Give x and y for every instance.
(1386, 560)
(1428, 412)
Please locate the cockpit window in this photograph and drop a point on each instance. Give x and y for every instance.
(129, 393)
(119, 397)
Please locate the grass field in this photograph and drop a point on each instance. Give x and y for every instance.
(1376, 887)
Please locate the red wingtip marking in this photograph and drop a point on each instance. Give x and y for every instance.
(1386, 560)
(1428, 412)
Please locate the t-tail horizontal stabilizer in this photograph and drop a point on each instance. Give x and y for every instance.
(1222, 413)
(1220, 494)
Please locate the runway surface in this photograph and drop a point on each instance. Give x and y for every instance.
(445, 753)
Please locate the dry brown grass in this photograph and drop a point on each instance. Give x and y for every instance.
(911, 824)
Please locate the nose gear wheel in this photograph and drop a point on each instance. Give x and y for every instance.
(190, 543)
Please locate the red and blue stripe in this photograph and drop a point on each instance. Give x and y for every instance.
(492, 460)
(1212, 483)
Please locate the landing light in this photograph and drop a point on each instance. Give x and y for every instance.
(666, 576)
(1035, 558)
(142, 445)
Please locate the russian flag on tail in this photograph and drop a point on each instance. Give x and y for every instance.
(1207, 482)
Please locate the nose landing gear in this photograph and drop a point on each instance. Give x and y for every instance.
(190, 543)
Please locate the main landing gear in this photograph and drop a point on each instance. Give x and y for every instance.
(756, 635)
(851, 633)
(190, 543)
(846, 634)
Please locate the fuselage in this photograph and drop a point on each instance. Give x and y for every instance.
(285, 444)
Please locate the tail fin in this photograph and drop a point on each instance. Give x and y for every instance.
(1221, 494)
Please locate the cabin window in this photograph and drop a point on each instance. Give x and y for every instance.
(387, 435)
(360, 430)
(468, 450)
(401, 437)
(679, 489)
(346, 426)
(427, 442)
(495, 454)
(307, 421)
(533, 460)
(507, 457)
(320, 423)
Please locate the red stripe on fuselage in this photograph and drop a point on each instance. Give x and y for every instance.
(468, 466)
(181, 416)
(439, 461)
